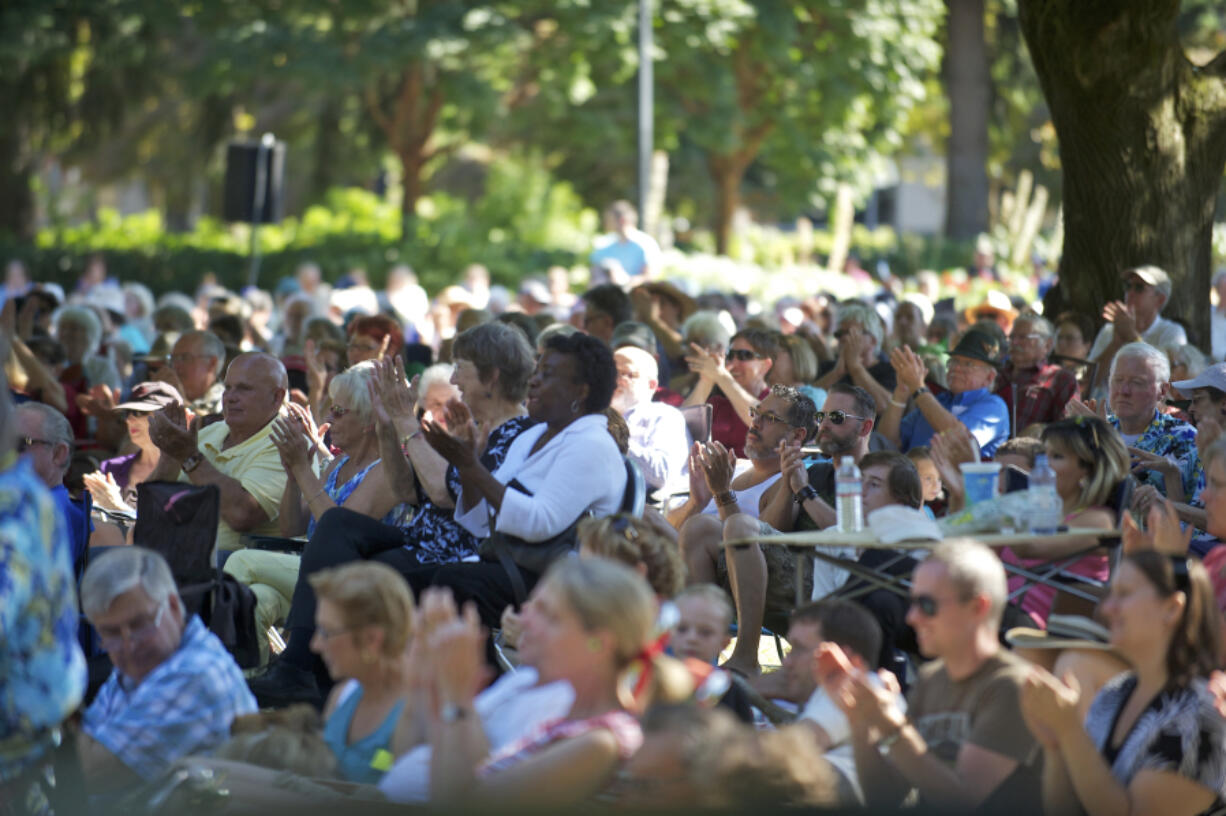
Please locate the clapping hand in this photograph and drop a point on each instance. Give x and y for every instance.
(1088, 407)
(105, 492)
(394, 398)
(456, 646)
(457, 450)
(301, 415)
(461, 424)
(792, 466)
(316, 371)
(170, 431)
(512, 624)
(99, 402)
(292, 442)
(1163, 531)
(909, 369)
(1124, 320)
(1049, 706)
(852, 342)
(868, 706)
(718, 466)
(699, 494)
(708, 365)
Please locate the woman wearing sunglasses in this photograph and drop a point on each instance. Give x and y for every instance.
(1152, 741)
(734, 384)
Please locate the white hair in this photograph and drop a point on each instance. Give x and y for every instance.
(84, 317)
(54, 425)
(120, 570)
(869, 320)
(1159, 363)
(1039, 323)
(1189, 356)
(351, 386)
(437, 374)
(706, 329)
(210, 346)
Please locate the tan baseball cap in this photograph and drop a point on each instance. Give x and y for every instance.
(1153, 275)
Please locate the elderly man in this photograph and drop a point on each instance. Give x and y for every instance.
(1136, 318)
(196, 362)
(1034, 389)
(784, 419)
(1163, 447)
(659, 442)
(44, 439)
(174, 690)
(860, 334)
(962, 742)
(42, 679)
(236, 454)
(970, 401)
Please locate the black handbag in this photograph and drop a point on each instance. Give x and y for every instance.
(516, 554)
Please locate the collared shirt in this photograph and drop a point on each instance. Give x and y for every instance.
(184, 706)
(256, 464)
(659, 442)
(981, 411)
(42, 670)
(1174, 439)
(1042, 392)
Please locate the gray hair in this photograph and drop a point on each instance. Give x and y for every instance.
(84, 317)
(142, 294)
(55, 427)
(973, 569)
(1189, 356)
(120, 570)
(1159, 363)
(173, 317)
(437, 374)
(1041, 325)
(497, 347)
(706, 329)
(869, 320)
(351, 386)
(552, 330)
(210, 346)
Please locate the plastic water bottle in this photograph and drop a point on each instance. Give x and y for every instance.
(848, 490)
(1046, 509)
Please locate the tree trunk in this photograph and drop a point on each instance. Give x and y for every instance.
(17, 201)
(411, 164)
(726, 172)
(1142, 146)
(327, 150)
(967, 84)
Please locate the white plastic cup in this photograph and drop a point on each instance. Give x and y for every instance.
(980, 481)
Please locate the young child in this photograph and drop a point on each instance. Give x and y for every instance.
(704, 629)
(930, 478)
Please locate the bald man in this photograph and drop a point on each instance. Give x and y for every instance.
(659, 441)
(236, 454)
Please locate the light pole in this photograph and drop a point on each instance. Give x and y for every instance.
(646, 110)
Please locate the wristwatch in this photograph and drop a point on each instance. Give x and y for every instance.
(923, 389)
(192, 462)
(804, 494)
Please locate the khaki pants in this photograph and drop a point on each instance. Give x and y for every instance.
(271, 576)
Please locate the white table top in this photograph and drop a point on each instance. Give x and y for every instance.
(815, 539)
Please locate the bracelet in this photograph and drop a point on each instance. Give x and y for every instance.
(884, 744)
(725, 499)
(805, 494)
(897, 404)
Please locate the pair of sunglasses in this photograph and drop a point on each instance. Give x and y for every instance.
(743, 355)
(926, 604)
(836, 417)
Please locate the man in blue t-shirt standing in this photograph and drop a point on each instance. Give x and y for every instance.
(972, 375)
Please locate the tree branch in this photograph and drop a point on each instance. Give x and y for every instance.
(375, 107)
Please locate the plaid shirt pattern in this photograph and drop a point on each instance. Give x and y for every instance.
(184, 706)
(1041, 392)
(1174, 439)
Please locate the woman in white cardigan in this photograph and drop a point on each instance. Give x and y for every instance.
(560, 470)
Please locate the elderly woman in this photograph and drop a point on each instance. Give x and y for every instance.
(734, 383)
(491, 372)
(363, 625)
(588, 623)
(79, 332)
(563, 468)
(1152, 741)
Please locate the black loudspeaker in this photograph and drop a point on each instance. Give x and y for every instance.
(255, 182)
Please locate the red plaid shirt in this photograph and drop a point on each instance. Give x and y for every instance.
(1041, 392)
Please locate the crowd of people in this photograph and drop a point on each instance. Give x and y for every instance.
(515, 547)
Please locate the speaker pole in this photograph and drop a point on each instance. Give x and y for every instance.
(257, 204)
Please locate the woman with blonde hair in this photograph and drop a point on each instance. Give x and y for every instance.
(589, 622)
(796, 365)
(1090, 460)
(364, 621)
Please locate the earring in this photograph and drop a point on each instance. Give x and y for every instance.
(574, 407)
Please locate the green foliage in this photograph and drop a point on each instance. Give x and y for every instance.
(525, 222)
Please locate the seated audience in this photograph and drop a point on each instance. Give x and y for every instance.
(1090, 461)
(733, 384)
(174, 690)
(969, 401)
(1152, 740)
(374, 337)
(196, 362)
(796, 365)
(1137, 318)
(237, 454)
(44, 439)
(659, 441)
(113, 487)
(860, 362)
(363, 624)
(961, 742)
(1034, 390)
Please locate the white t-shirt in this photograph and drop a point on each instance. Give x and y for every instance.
(747, 500)
(1161, 334)
(823, 711)
(509, 710)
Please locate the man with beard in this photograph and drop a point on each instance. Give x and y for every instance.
(659, 442)
(784, 420)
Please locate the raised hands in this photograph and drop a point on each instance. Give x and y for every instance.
(1049, 706)
(393, 398)
(293, 443)
(106, 492)
(870, 707)
(792, 466)
(1124, 320)
(457, 450)
(708, 365)
(700, 496)
(909, 369)
(171, 432)
(718, 464)
(454, 644)
(1162, 532)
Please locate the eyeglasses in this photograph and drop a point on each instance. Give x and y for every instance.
(1136, 286)
(965, 362)
(926, 604)
(767, 416)
(1024, 339)
(337, 411)
(743, 355)
(112, 638)
(836, 417)
(24, 443)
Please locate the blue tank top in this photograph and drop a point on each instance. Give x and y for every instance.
(341, 494)
(366, 760)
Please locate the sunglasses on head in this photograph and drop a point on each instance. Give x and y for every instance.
(926, 604)
(835, 417)
(743, 355)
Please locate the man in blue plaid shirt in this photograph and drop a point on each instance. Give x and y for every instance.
(175, 689)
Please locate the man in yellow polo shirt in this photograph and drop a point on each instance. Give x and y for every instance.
(236, 454)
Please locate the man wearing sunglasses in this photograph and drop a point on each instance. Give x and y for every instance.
(972, 375)
(961, 742)
(174, 690)
(1146, 290)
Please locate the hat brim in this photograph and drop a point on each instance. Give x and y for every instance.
(139, 406)
(1026, 637)
(686, 303)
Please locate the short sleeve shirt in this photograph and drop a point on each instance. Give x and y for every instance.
(982, 412)
(1170, 437)
(256, 464)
